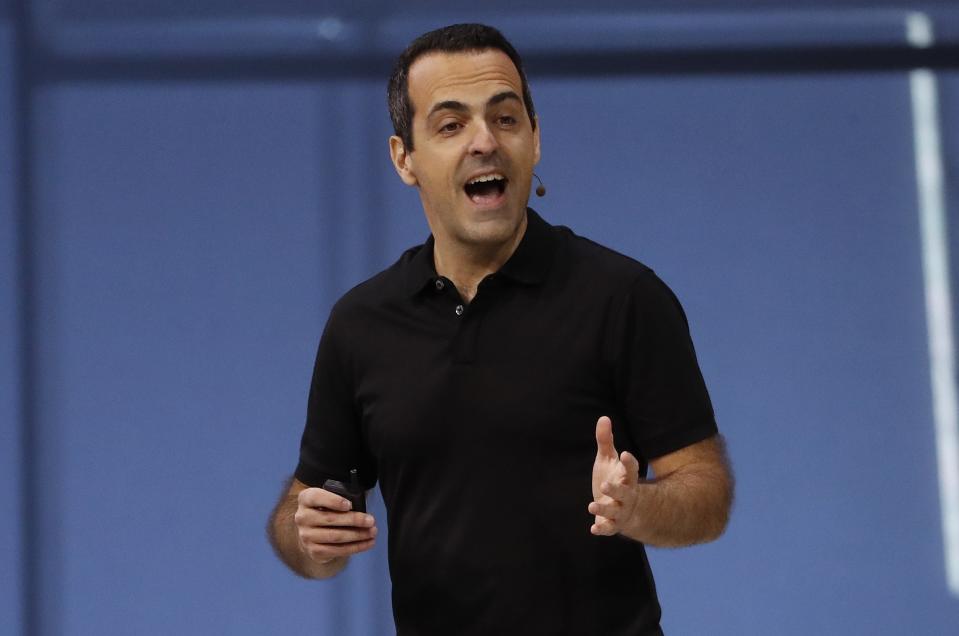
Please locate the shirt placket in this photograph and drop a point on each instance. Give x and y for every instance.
(469, 318)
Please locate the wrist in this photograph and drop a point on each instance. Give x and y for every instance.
(322, 568)
(634, 528)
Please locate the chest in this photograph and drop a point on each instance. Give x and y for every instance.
(507, 374)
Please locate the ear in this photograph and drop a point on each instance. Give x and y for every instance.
(402, 161)
(536, 142)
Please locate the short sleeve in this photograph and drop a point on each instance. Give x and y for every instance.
(332, 444)
(656, 375)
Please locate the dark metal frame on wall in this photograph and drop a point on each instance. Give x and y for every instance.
(52, 48)
(25, 85)
(553, 43)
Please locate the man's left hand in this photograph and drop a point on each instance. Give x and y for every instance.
(615, 484)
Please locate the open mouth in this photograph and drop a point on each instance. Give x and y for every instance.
(486, 189)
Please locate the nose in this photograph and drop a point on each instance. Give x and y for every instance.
(483, 141)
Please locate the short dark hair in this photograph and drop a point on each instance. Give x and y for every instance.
(449, 39)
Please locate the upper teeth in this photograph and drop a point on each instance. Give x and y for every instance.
(487, 177)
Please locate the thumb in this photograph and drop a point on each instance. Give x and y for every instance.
(604, 438)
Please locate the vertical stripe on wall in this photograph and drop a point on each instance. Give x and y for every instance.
(935, 250)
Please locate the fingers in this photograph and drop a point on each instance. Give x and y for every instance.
(326, 552)
(328, 529)
(604, 438)
(631, 464)
(625, 476)
(610, 517)
(604, 527)
(609, 509)
(313, 517)
(319, 507)
(325, 533)
(320, 498)
(336, 535)
(612, 509)
(617, 490)
(324, 544)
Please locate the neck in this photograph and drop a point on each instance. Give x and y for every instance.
(468, 265)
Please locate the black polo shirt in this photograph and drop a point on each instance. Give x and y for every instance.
(478, 420)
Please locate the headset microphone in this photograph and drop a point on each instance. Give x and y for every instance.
(540, 189)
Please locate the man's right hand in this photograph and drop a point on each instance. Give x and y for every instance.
(327, 529)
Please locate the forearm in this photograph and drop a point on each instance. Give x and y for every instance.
(286, 543)
(690, 505)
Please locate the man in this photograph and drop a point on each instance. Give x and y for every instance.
(481, 380)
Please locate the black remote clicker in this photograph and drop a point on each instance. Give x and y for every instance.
(352, 491)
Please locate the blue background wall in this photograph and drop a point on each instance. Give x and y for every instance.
(184, 192)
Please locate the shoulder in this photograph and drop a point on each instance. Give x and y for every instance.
(612, 279)
(587, 259)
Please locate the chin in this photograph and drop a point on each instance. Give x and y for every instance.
(493, 226)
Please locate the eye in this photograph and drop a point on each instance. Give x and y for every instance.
(450, 127)
(507, 120)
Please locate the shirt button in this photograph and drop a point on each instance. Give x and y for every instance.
(440, 284)
(459, 310)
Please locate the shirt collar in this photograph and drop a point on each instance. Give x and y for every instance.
(529, 263)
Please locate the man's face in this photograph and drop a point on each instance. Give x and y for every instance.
(474, 147)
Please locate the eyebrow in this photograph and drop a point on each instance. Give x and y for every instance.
(452, 104)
